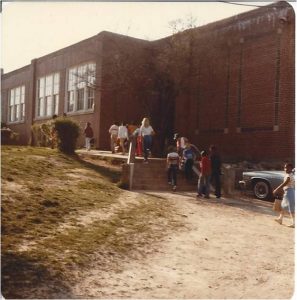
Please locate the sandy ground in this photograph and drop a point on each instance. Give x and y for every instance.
(227, 249)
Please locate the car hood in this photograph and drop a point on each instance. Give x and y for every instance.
(265, 174)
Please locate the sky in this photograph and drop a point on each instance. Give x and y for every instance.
(32, 29)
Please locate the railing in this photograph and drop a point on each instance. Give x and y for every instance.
(132, 147)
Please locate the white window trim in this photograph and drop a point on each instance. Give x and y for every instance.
(85, 109)
(44, 96)
(20, 120)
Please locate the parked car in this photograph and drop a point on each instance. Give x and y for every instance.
(262, 183)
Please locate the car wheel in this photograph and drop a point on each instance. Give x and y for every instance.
(262, 190)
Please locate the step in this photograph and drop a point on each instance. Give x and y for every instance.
(166, 187)
(163, 179)
(153, 176)
(147, 167)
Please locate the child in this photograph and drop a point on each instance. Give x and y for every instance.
(123, 136)
(180, 143)
(89, 135)
(138, 137)
(172, 166)
(146, 131)
(204, 177)
(113, 131)
(188, 158)
(288, 202)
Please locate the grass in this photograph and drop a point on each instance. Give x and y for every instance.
(45, 197)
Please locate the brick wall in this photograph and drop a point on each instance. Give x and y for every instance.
(12, 80)
(243, 86)
(124, 82)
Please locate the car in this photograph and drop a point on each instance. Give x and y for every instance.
(262, 183)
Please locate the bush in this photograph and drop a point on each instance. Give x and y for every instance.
(8, 137)
(67, 133)
(41, 135)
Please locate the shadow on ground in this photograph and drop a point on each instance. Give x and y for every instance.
(26, 278)
(238, 201)
(111, 174)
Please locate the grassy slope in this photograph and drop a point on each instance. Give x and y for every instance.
(42, 190)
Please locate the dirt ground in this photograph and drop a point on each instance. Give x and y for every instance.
(230, 248)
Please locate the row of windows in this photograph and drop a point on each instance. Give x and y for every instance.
(80, 94)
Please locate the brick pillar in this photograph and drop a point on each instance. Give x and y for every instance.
(30, 102)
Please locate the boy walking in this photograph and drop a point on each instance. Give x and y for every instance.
(113, 131)
(204, 178)
(188, 158)
(172, 166)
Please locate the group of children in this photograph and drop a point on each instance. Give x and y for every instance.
(142, 133)
(183, 157)
(210, 171)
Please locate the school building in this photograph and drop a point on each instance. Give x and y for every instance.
(229, 83)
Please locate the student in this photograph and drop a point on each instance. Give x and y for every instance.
(180, 143)
(113, 131)
(288, 202)
(88, 135)
(188, 158)
(138, 137)
(131, 129)
(204, 178)
(146, 131)
(172, 166)
(123, 136)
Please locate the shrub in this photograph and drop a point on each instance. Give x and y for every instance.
(41, 135)
(67, 133)
(8, 137)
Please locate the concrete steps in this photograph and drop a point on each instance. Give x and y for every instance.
(153, 176)
(150, 176)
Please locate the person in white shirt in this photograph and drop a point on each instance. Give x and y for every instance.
(146, 131)
(123, 135)
(288, 202)
(113, 131)
(172, 166)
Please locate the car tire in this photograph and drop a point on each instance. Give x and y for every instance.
(262, 190)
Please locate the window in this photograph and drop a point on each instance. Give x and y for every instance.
(91, 96)
(48, 95)
(80, 93)
(17, 104)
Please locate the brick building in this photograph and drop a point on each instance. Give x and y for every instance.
(231, 83)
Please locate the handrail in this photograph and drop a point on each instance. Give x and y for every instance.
(132, 147)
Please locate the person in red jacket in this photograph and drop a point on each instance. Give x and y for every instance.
(89, 135)
(204, 177)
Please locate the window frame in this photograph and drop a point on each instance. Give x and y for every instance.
(47, 92)
(16, 110)
(78, 88)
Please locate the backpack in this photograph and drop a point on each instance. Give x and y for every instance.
(188, 154)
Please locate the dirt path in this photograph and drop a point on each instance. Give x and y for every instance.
(230, 249)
